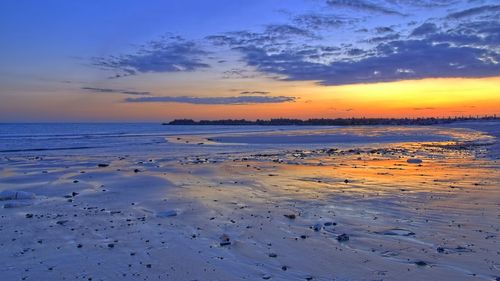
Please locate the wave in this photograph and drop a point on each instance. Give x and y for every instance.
(49, 149)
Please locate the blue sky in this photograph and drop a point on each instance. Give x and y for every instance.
(163, 51)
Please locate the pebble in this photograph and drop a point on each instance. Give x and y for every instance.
(225, 240)
(317, 227)
(167, 214)
(290, 216)
(397, 232)
(421, 263)
(343, 237)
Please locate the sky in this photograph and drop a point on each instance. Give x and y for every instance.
(124, 60)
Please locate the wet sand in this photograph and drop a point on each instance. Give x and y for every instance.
(392, 210)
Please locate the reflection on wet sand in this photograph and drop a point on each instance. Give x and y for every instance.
(388, 211)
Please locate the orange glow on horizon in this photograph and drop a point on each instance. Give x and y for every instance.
(410, 98)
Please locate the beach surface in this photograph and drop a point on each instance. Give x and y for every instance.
(147, 202)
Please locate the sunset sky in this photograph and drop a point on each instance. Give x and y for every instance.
(161, 60)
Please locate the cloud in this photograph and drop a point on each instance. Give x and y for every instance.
(238, 73)
(168, 54)
(437, 49)
(115, 91)
(424, 29)
(363, 5)
(378, 39)
(423, 108)
(286, 31)
(392, 61)
(254, 93)
(384, 29)
(474, 11)
(424, 3)
(215, 100)
(273, 34)
(319, 21)
(355, 52)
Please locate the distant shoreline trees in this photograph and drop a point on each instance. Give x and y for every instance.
(333, 122)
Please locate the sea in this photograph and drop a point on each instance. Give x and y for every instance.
(106, 138)
(151, 138)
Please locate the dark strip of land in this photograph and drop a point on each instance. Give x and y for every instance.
(333, 122)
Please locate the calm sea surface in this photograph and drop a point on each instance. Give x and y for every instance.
(96, 138)
(150, 138)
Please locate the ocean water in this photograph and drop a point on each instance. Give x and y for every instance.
(106, 138)
(150, 138)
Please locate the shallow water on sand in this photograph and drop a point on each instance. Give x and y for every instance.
(431, 220)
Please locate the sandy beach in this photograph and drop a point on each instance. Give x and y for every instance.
(351, 203)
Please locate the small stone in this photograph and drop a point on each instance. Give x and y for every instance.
(290, 216)
(225, 240)
(421, 263)
(317, 227)
(29, 216)
(61, 222)
(343, 237)
(397, 232)
(273, 255)
(79, 246)
(136, 170)
(111, 245)
(346, 181)
(167, 214)
(440, 249)
(102, 165)
(284, 268)
(148, 265)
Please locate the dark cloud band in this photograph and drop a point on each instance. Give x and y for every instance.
(215, 100)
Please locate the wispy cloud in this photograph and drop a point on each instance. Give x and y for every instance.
(254, 93)
(115, 91)
(437, 48)
(302, 49)
(425, 29)
(314, 21)
(168, 54)
(423, 108)
(475, 11)
(396, 60)
(363, 5)
(215, 100)
(286, 31)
